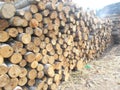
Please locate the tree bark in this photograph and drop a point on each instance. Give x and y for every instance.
(23, 3)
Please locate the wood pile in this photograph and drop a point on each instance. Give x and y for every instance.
(116, 28)
(42, 42)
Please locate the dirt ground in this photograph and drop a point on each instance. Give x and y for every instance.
(103, 74)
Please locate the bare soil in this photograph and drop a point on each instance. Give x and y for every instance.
(103, 74)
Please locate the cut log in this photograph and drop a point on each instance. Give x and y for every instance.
(41, 6)
(53, 15)
(3, 24)
(56, 56)
(60, 41)
(59, 6)
(57, 65)
(31, 83)
(57, 79)
(46, 20)
(20, 30)
(49, 70)
(14, 71)
(4, 79)
(33, 9)
(25, 23)
(12, 84)
(33, 23)
(38, 17)
(22, 51)
(47, 40)
(51, 60)
(53, 86)
(16, 45)
(45, 59)
(53, 41)
(30, 46)
(22, 81)
(24, 3)
(36, 49)
(34, 64)
(42, 45)
(36, 41)
(23, 72)
(50, 6)
(13, 32)
(40, 67)
(38, 32)
(3, 69)
(18, 21)
(6, 50)
(59, 51)
(27, 11)
(38, 57)
(16, 58)
(45, 12)
(49, 47)
(23, 63)
(30, 57)
(42, 37)
(25, 38)
(41, 24)
(40, 85)
(49, 81)
(32, 74)
(7, 10)
(28, 15)
(40, 74)
(4, 36)
(29, 30)
(45, 87)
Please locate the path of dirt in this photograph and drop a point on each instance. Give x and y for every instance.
(104, 74)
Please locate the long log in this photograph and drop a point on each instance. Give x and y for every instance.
(23, 3)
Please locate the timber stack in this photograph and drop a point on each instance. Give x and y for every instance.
(42, 42)
(116, 28)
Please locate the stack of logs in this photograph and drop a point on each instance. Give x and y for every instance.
(116, 28)
(43, 42)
